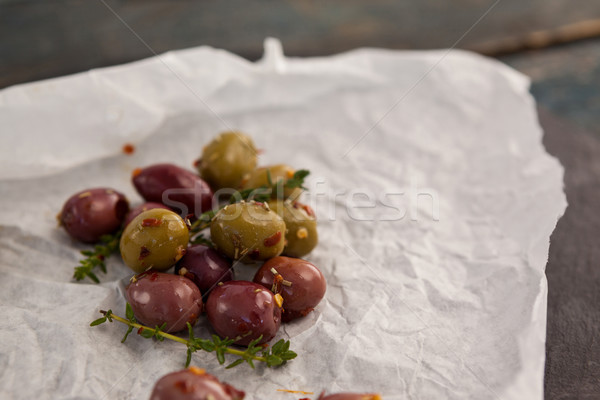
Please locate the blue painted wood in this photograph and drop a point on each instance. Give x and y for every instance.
(566, 80)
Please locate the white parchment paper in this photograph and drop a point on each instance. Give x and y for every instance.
(435, 196)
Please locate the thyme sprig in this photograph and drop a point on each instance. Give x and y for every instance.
(108, 245)
(261, 194)
(272, 356)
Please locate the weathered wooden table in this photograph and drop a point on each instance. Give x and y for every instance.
(46, 39)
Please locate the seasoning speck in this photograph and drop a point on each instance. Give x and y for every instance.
(128, 148)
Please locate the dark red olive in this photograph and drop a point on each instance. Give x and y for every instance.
(350, 396)
(179, 189)
(245, 309)
(89, 214)
(157, 298)
(134, 212)
(299, 282)
(205, 267)
(193, 384)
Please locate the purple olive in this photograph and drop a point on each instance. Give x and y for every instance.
(245, 309)
(205, 267)
(299, 282)
(350, 396)
(179, 189)
(157, 298)
(89, 214)
(134, 212)
(193, 384)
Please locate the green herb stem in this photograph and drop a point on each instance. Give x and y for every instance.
(109, 244)
(273, 356)
(158, 332)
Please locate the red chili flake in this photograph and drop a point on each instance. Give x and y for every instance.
(272, 240)
(153, 276)
(136, 172)
(140, 331)
(254, 254)
(128, 148)
(184, 386)
(276, 287)
(197, 162)
(308, 210)
(144, 252)
(100, 257)
(151, 222)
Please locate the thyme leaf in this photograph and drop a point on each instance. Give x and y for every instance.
(108, 245)
(273, 356)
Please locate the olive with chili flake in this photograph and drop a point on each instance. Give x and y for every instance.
(227, 159)
(155, 239)
(300, 283)
(92, 213)
(135, 211)
(244, 310)
(248, 231)
(157, 298)
(301, 227)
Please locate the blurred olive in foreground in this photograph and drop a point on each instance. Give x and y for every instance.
(193, 384)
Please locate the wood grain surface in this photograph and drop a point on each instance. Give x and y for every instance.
(573, 270)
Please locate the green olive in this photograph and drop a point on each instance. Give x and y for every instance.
(301, 224)
(226, 160)
(279, 172)
(155, 239)
(248, 231)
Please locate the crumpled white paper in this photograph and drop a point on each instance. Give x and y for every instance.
(435, 196)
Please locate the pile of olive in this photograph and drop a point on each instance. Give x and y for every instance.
(160, 234)
(163, 233)
(195, 384)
